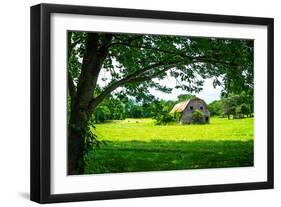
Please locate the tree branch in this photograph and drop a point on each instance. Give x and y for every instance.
(204, 59)
(181, 54)
(135, 76)
(147, 78)
(130, 79)
(150, 67)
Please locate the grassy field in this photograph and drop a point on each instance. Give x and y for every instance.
(135, 145)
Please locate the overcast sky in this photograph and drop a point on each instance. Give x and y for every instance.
(209, 93)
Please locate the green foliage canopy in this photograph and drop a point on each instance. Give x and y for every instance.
(135, 62)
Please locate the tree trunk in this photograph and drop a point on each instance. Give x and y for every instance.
(77, 123)
(80, 112)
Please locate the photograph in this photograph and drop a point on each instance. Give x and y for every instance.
(129, 103)
(156, 102)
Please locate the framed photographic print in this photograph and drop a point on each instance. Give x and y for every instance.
(132, 103)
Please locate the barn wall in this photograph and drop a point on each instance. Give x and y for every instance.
(196, 104)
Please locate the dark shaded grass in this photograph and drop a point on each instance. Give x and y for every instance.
(136, 156)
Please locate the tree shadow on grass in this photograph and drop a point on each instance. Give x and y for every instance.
(157, 155)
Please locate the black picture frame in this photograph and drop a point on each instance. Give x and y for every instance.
(41, 96)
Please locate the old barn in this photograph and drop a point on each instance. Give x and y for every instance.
(186, 108)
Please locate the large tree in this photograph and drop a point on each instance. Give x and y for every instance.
(134, 63)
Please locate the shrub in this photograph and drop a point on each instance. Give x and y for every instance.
(164, 118)
(197, 117)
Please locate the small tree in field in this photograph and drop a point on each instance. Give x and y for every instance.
(162, 115)
(245, 109)
(164, 119)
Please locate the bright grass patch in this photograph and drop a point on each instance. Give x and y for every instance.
(135, 145)
(145, 130)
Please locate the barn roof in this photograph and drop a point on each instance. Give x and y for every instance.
(179, 107)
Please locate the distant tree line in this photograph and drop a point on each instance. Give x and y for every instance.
(120, 106)
(233, 105)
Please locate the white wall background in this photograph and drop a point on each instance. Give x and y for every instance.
(14, 109)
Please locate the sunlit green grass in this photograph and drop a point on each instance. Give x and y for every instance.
(146, 130)
(135, 145)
